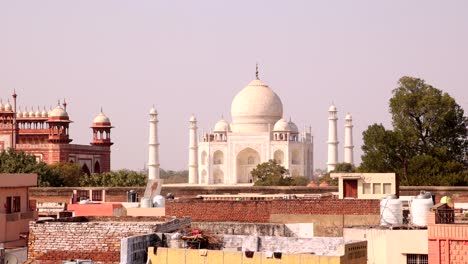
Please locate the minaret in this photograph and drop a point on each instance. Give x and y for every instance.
(193, 151)
(153, 149)
(332, 138)
(348, 140)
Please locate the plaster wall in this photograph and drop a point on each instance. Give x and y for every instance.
(385, 246)
(375, 181)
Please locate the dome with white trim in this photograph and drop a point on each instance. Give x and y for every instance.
(221, 126)
(282, 125)
(58, 112)
(102, 118)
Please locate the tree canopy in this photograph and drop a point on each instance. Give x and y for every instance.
(428, 144)
(273, 174)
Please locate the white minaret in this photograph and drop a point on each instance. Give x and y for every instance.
(193, 151)
(348, 140)
(153, 149)
(332, 138)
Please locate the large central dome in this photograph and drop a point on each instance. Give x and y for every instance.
(255, 107)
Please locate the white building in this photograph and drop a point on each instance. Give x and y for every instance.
(258, 132)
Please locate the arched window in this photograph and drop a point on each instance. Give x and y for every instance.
(97, 167)
(218, 157)
(203, 158)
(279, 156)
(85, 169)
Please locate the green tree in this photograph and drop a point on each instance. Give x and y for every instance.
(120, 178)
(271, 174)
(69, 173)
(344, 167)
(429, 139)
(12, 161)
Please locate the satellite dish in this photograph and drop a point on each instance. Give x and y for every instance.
(11, 259)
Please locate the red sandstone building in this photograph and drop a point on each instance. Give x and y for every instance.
(45, 134)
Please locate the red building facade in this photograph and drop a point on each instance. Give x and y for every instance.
(45, 134)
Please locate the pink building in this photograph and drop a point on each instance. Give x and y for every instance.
(16, 209)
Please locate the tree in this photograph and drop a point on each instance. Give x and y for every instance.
(12, 161)
(429, 138)
(120, 178)
(271, 174)
(344, 167)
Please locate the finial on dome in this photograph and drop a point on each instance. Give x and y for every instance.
(64, 104)
(256, 71)
(101, 110)
(14, 93)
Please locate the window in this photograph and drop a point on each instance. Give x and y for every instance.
(13, 204)
(82, 195)
(416, 259)
(366, 188)
(387, 188)
(377, 188)
(96, 195)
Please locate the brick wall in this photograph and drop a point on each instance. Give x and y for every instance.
(260, 211)
(95, 238)
(119, 194)
(448, 243)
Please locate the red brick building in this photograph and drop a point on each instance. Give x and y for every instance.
(45, 134)
(448, 239)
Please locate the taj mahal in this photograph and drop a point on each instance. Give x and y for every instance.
(257, 133)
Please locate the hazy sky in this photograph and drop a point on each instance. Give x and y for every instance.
(194, 56)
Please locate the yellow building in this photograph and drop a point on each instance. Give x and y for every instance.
(352, 253)
(366, 185)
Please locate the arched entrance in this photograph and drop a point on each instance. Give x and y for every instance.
(97, 167)
(246, 160)
(218, 177)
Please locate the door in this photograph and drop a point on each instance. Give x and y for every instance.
(350, 189)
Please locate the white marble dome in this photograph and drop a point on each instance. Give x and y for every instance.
(332, 108)
(256, 104)
(58, 112)
(221, 126)
(348, 117)
(282, 125)
(19, 114)
(101, 118)
(293, 127)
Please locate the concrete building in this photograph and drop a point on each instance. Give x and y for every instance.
(258, 132)
(366, 185)
(16, 209)
(46, 135)
(391, 246)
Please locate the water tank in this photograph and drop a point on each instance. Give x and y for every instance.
(391, 211)
(145, 202)
(159, 201)
(420, 208)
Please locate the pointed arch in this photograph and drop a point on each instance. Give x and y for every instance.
(246, 160)
(278, 156)
(203, 157)
(218, 157)
(97, 167)
(218, 177)
(85, 169)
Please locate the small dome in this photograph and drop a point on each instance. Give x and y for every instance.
(193, 119)
(58, 112)
(26, 113)
(44, 113)
(153, 111)
(221, 126)
(19, 114)
(38, 113)
(7, 107)
(102, 118)
(282, 125)
(32, 114)
(332, 108)
(293, 127)
(349, 117)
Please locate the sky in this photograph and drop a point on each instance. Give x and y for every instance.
(193, 57)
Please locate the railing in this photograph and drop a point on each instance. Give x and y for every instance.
(444, 216)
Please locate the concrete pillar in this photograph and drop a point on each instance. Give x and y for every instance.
(348, 142)
(193, 151)
(153, 146)
(332, 138)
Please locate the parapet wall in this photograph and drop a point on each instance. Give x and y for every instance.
(93, 238)
(262, 211)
